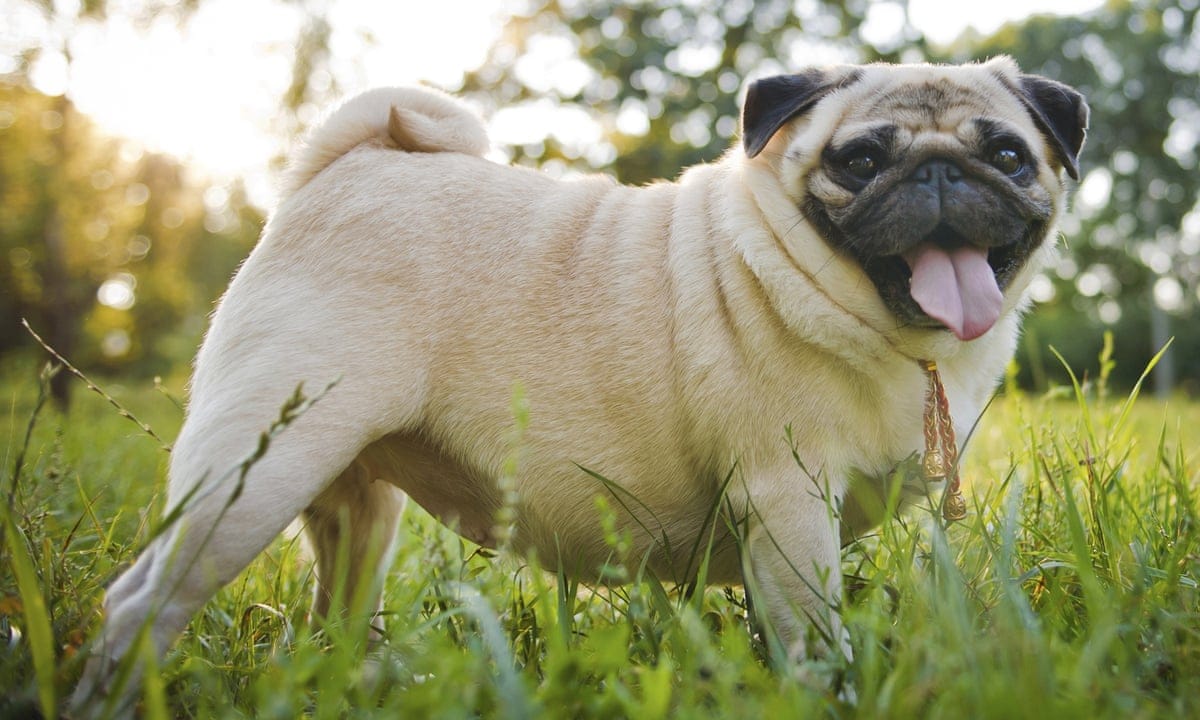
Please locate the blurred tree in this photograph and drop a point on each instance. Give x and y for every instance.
(660, 80)
(47, 241)
(113, 254)
(57, 200)
(104, 242)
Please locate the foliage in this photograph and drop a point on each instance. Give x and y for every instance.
(1072, 588)
(661, 79)
(87, 217)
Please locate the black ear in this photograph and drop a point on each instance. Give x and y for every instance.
(772, 101)
(1061, 114)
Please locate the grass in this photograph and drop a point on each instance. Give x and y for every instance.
(1070, 591)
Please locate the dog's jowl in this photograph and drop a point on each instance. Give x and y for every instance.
(872, 218)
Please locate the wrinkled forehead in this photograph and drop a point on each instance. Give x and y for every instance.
(946, 103)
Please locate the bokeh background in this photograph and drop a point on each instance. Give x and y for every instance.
(139, 140)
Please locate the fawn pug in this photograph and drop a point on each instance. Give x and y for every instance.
(871, 217)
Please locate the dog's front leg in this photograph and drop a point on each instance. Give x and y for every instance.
(792, 563)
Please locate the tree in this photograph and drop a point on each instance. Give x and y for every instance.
(107, 244)
(56, 220)
(112, 254)
(661, 79)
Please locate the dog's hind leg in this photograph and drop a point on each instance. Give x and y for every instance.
(233, 488)
(352, 528)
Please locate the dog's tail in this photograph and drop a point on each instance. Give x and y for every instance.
(413, 119)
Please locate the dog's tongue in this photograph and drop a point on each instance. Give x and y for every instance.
(956, 287)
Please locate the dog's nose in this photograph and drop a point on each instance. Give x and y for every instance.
(937, 171)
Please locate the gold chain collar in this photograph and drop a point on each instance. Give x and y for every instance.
(941, 451)
(940, 461)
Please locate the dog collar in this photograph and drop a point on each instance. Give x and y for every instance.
(941, 451)
(940, 461)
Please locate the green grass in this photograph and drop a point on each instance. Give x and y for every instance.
(1070, 591)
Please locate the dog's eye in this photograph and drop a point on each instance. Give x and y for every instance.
(1007, 160)
(862, 166)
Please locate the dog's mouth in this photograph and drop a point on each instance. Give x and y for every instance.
(945, 281)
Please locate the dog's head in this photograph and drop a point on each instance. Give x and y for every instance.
(939, 181)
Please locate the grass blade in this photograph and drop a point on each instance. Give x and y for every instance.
(37, 618)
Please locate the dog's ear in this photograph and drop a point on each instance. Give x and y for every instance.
(772, 101)
(1061, 113)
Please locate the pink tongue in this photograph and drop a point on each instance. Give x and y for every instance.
(956, 288)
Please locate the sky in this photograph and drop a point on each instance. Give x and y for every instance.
(208, 93)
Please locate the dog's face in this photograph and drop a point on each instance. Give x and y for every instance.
(940, 181)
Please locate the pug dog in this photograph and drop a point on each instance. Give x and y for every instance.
(749, 337)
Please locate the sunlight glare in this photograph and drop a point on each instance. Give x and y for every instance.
(209, 92)
(942, 21)
(186, 91)
(117, 292)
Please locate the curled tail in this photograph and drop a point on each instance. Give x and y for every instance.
(412, 119)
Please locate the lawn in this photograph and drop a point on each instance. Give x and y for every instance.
(1069, 591)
